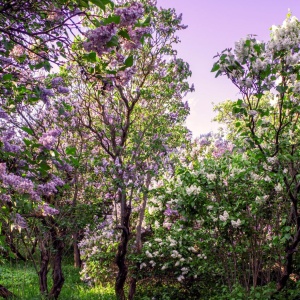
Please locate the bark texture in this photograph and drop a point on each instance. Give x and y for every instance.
(121, 256)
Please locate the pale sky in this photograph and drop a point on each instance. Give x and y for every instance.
(214, 25)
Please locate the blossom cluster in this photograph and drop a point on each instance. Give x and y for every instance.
(49, 138)
(99, 37)
(130, 15)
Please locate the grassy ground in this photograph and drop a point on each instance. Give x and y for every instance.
(22, 280)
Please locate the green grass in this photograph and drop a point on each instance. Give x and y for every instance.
(21, 279)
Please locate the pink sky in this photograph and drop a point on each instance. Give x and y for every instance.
(214, 25)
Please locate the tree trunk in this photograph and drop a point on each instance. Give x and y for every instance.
(121, 255)
(288, 268)
(77, 259)
(5, 293)
(57, 274)
(132, 288)
(139, 245)
(44, 268)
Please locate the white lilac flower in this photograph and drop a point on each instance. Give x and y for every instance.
(142, 265)
(278, 188)
(268, 179)
(193, 190)
(174, 253)
(192, 249)
(152, 263)
(271, 160)
(211, 176)
(236, 224)
(148, 254)
(224, 217)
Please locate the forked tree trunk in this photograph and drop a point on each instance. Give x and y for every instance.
(139, 244)
(121, 256)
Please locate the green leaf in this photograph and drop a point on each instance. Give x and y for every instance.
(75, 162)
(239, 102)
(257, 48)
(91, 57)
(112, 19)
(147, 21)
(129, 61)
(44, 166)
(83, 3)
(113, 42)
(47, 66)
(124, 33)
(215, 68)
(28, 130)
(27, 142)
(7, 77)
(99, 3)
(71, 150)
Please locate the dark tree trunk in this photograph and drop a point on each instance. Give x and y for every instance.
(45, 257)
(5, 293)
(77, 258)
(288, 268)
(121, 256)
(57, 274)
(132, 288)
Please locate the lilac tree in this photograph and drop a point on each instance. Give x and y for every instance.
(131, 104)
(267, 117)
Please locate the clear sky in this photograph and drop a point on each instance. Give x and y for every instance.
(214, 25)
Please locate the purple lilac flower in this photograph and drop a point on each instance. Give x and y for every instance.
(98, 38)
(5, 198)
(19, 222)
(2, 169)
(170, 212)
(20, 184)
(57, 81)
(63, 90)
(45, 93)
(46, 210)
(49, 138)
(125, 76)
(129, 15)
(3, 114)
(8, 147)
(47, 189)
